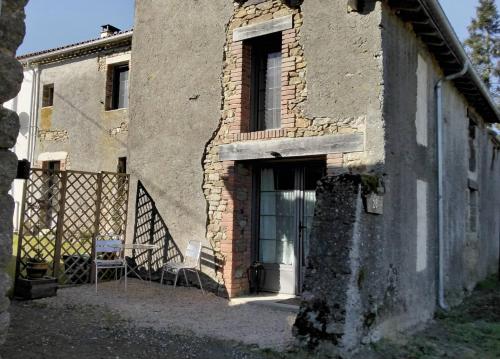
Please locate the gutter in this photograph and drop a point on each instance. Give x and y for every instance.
(436, 13)
(441, 171)
(68, 50)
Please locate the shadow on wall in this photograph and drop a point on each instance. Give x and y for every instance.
(150, 228)
(24, 122)
(160, 192)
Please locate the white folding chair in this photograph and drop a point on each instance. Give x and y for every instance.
(191, 263)
(108, 245)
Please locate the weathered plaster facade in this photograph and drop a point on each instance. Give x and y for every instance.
(77, 129)
(79, 107)
(174, 114)
(12, 31)
(386, 271)
(229, 211)
(357, 95)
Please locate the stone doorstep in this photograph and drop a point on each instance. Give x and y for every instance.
(267, 299)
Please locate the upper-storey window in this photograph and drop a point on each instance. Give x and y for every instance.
(117, 87)
(120, 87)
(266, 82)
(48, 95)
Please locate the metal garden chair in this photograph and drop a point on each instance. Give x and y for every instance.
(108, 245)
(190, 263)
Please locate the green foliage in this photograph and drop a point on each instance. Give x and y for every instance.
(483, 44)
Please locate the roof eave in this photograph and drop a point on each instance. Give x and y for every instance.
(433, 27)
(74, 50)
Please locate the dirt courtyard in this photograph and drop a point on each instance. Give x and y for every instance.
(78, 324)
(146, 321)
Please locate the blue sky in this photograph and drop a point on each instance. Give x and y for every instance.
(53, 23)
(460, 13)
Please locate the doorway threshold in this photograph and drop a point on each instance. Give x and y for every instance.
(288, 302)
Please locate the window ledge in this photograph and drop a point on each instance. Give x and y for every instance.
(117, 110)
(260, 135)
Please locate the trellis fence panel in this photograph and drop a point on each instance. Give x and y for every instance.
(61, 213)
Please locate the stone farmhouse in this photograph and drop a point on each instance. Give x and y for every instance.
(343, 144)
(239, 108)
(73, 107)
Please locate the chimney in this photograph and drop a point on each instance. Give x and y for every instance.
(108, 30)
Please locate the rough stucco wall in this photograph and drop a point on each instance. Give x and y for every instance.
(344, 70)
(345, 79)
(387, 291)
(175, 105)
(79, 94)
(489, 202)
(468, 259)
(411, 296)
(12, 31)
(414, 295)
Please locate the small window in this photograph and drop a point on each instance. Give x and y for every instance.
(117, 93)
(122, 165)
(473, 211)
(472, 147)
(51, 165)
(48, 95)
(266, 82)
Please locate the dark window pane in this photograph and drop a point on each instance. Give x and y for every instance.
(122, 165)
(273, 91)
(120, 87)
(312, 176)
(284, 179)
(48, 95)
(472, 146)
(266, 82)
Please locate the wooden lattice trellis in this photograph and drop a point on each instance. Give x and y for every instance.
(61, 213)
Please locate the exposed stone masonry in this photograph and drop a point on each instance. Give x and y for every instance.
(12, 31)
(53, 135)
(332, 265)
(123, 128)
(229, 199)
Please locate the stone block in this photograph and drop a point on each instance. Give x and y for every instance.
(9, 128)
(323, 313)
(11, 77)
(11, 29)
(8, 170)
(4, 325)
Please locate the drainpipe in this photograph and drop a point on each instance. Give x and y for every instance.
(440, 162)
(32, 97)
(33, 113)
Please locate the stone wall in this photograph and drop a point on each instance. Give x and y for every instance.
(12, 31)
(229, 226)
(332, 277)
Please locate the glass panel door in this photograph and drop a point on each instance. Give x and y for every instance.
(277, 217)
(287, 195)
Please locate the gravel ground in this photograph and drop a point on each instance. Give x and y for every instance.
(184, 311)
(40, 331)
